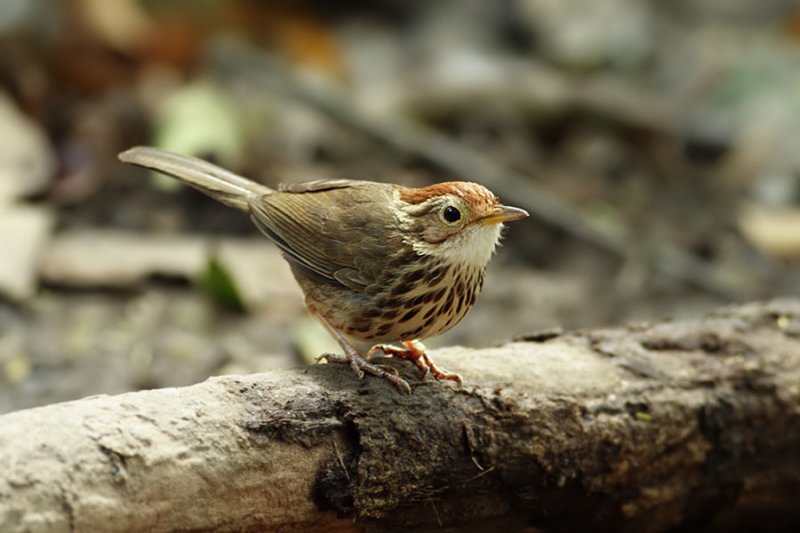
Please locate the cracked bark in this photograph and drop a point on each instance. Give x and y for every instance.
(693, 424)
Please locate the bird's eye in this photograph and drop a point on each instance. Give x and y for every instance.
(451, 214)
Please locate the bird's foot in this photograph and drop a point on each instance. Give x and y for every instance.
(415, 351)
(360, 366)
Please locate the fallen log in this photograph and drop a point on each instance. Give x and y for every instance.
(644, 428)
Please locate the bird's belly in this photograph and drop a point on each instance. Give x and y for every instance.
(392, 315)
(423, 312)
(429, 322)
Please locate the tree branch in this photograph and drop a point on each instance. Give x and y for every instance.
(677, 424)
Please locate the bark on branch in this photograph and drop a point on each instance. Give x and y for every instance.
(642, 428)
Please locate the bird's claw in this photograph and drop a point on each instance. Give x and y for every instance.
(329, 358)
(415, 351)
(361, 366)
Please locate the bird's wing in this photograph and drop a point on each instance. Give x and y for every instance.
(318, 185)
(332, 230)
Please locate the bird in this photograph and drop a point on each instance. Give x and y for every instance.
(382, 266)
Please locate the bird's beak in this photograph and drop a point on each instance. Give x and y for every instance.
(504, 213)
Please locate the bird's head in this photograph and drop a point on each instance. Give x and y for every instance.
(458, 220)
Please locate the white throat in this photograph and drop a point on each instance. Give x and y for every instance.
(473, 246)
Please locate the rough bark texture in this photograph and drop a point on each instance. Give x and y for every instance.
(644, 428)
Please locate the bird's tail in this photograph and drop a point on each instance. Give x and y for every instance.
(224, 186)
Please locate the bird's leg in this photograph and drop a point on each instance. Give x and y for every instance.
(405, 353)
(415, 351)
(358, 363)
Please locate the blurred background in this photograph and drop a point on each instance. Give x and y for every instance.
(653, 142)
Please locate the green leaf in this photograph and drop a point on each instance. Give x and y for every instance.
(199, 119)
(219, 285)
